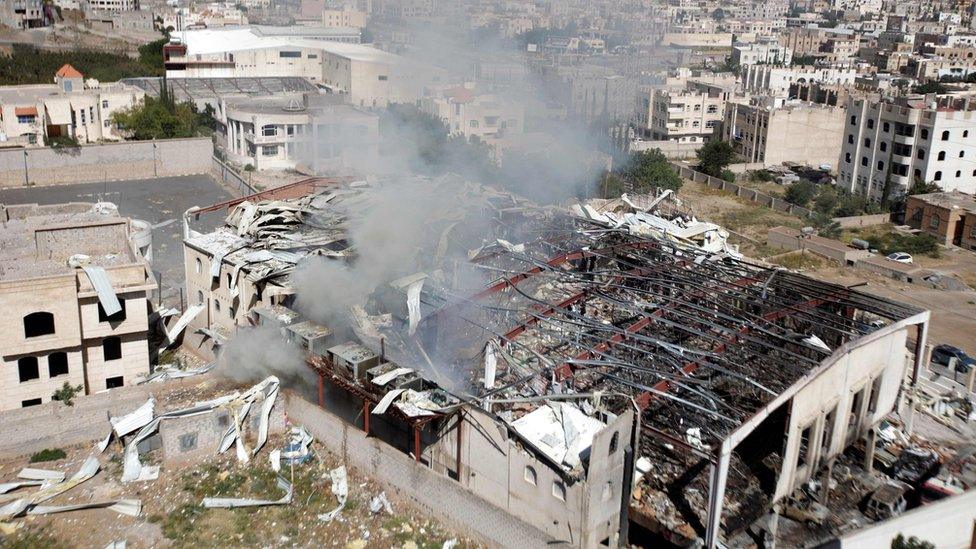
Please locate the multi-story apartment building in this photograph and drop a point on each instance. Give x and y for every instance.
(110, 5)
(471, 114)
(777, 80)
(74, 289)
(895, 142)
(314, 132)
(32, 115)
(690, 114)
(761, 132)
(765, 52)
(343, 19)
(24, 14)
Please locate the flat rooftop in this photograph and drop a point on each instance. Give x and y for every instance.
(950, 200)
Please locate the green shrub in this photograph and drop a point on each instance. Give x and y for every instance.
(48, 454)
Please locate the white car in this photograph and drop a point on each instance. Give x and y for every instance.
(901, 257)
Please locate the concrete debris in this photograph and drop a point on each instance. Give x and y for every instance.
(380, 503)
(340, 488)
(232, 503)
(166, 373)
(559, 430)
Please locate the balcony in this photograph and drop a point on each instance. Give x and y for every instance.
(262, 139)
(904, 139)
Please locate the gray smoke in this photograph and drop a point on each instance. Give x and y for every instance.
(255, 353)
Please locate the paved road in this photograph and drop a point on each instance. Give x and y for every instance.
(152, 200)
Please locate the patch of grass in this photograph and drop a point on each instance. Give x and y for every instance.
(756, 216)
(799, 261)
(48, 454)
(180, 523)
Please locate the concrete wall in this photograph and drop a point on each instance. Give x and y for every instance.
(442, 497)
(948, 524)
(751, 195)
(672, 150)
(105, 162)
(863, 220)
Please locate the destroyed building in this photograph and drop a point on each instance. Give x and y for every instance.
(74, 283)
(593, 371)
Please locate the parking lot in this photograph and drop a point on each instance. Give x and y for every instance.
(157, 201)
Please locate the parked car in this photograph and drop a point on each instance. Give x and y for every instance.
(808, 512)
(901, 257)
(887, 501)
(942, 355)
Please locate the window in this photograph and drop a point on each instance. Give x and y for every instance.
(885, 127)
(958, 173)
(925, 133)
(850, 138)
(111, 348)
(880, 165)
(828, 432)
(229, 285)
(867, 142)
(613, 443)
(965, 133)
(104, 103)
(217, 305)
(199, 297)
(942, 155)
(962, 154)
(38, 324)
(921, 154)
(558, 490)
(607, 491)
(712, 109)
(313, 56)
(106, 123)
(853, 120)
(803, 455)
(945, 135)
(870, 123)
(382, 78)
(937, 176)
(114, 382)
(25, 118)
(269, 150)
(30, 402)
(269, 130)
(854, 419)
(473, 123)
(847, 157)
(199, 265)
(57, 364)
(117, 317)
(529, 475)
(883, 146)
(292, 54)
(27, 368)
(864, 161)
(188, 442)
(875, 393)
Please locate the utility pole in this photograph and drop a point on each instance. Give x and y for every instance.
(26, 174)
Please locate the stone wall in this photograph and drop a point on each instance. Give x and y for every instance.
(438, 495)
(105, 162)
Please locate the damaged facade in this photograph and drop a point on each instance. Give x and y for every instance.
(86, 320)
(585, 369)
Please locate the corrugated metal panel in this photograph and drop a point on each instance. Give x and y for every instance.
(106, 295)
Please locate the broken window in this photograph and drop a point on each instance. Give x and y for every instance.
(854, 419)
(114, 382)
(27, 368)
(199, 297)
(30, 402)
(613, 443)
(828, 431)
(111, 348)
(529, 475)
(57, 364)
(803, 456)
(38, 324)
(117, 317)
(188, 442)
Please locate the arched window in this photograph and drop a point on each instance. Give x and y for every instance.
(921, 154)
(57, 364)
(937, 176)
(27, 368)
(925, 133)
(529, 475)
(199, 265)
(199, 297)
(885, 127)
(38, 324)
(883, 146)
(958, 173)
(217, 305)
(613, 442)
(945, 135)
(111, 348)
(559, 490)
(941, 155)
(965, 133)
(962, 154)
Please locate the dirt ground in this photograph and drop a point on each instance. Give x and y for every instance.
(173, 515)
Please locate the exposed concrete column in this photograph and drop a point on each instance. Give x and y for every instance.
(870, 440)
(716, 495)
(922, 353)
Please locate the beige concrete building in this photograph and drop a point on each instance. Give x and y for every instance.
(71, 107)
(343, 19)
(471, 114)
(950, 217)
(773, 135)
(690, 114)
(62, 269)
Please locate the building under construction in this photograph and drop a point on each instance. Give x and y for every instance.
(585, 372)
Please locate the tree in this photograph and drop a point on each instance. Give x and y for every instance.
(921, 187)
(728, 175)
(801, 192)
(900, 542)
(66, 394)
(649, 169)
(931, 87)
(826, 201)
(714, 156)
(159, 118)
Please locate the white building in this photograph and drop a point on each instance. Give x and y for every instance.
(110, 5)
(72, 107)
(777, 80)
(468, 113)
(761, 132)
(313, 133)
(368, 76)
(907, 141)
(761, 53)
(690, 114)
(23, 14)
